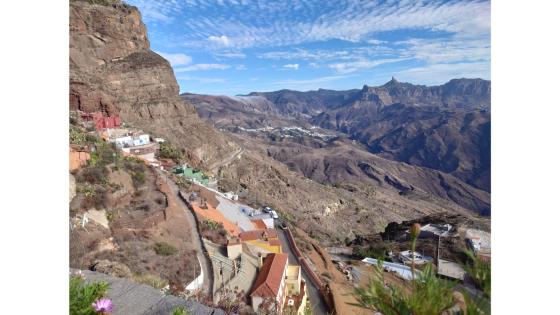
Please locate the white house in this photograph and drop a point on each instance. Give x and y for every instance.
(140, 139)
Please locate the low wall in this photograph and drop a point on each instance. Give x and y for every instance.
(314, 278)
(185, 199)
(198, 282)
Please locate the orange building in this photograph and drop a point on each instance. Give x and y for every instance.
(78, 159)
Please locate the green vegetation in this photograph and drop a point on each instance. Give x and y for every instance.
(151, 280)
(211, 225)
(77, 136)
(165, 249)
(82, 295)
(168, 151)
(138, 179)
(104, 154)
(426, 294)
(180, 311)
(431, 295)
(479, 271)
(373, 250)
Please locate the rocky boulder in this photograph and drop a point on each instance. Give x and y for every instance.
(112, 268)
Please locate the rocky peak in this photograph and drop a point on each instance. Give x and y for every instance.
(113, 70)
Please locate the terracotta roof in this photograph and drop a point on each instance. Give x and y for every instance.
(258, 235)
(259, 224)
(275, 243)
(270, 276)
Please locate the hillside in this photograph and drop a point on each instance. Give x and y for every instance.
(112, 69)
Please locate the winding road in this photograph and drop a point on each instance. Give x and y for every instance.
(199, 247)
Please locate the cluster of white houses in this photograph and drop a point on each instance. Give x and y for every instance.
(134, 142)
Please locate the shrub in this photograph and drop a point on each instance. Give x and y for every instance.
(211, 225)
(165, 249)
(83, 295)
(430, 295)
(93, 175)
(138, 179)
(168, 151)
(79, 137)
(180, 311)
(151, 280)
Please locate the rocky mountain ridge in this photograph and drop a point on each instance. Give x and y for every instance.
(113, 70)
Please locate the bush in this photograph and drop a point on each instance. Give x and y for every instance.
(93, 175)
(151, 280)
(82, 295)
(430, 295)
(211, 225)
(168, 151)
(180, 311)
(164, 249)
(138, 179)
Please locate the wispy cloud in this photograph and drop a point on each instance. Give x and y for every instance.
(259, 24)
(240, 67)
(203, 67)
(176, 59)
(307, 84)
(348, 67)
(442, 72)
(202, 80)
(293, 66)
(231, 54)
(219, 40)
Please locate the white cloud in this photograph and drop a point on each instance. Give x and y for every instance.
(307, 84)
(348, 67)
(440, 73)
(176, 59)
(231, 54)
(202, 80)
(375, 41)
(293, 66)
(240, 67)
(259, 24)
(220, 40)
(203, 67)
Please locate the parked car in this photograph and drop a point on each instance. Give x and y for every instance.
(273, 214)
(267, 209)
(283, 226)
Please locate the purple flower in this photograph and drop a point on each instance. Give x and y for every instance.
(103, 306)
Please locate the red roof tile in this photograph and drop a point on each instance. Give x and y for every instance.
(270, 276)
(259, 224)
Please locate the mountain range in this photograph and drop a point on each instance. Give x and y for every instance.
(442, 128)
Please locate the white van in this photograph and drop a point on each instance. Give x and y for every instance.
(273, 214)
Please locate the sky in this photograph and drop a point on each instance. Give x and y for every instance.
(233, 47)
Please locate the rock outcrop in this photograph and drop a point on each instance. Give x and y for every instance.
(113, 70)
(112, 268)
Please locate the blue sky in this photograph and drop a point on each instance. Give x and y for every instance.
(234, 47)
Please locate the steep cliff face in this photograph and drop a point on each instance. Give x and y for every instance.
(113, 70)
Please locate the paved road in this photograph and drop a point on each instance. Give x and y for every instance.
(315, 298)
(205, 264)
